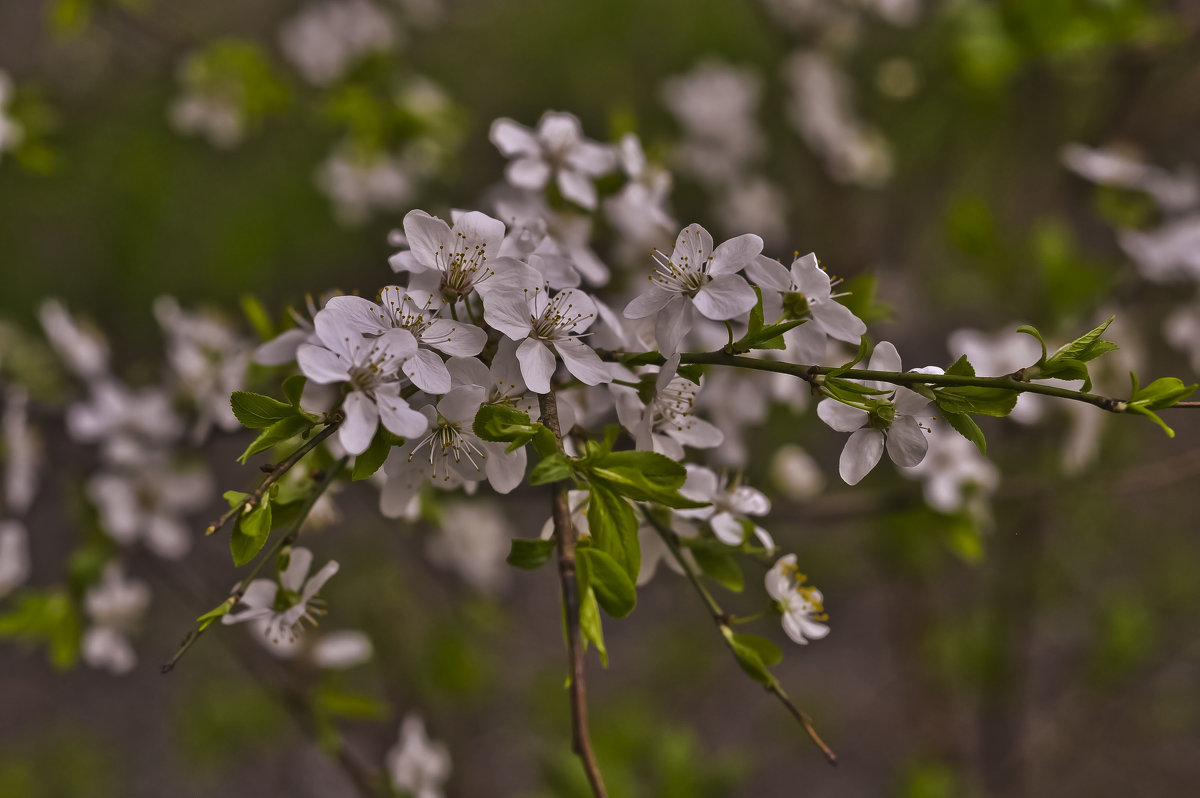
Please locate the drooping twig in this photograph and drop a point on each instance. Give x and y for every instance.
(564, 533)
(280, 468)
(722, 619)
(285, 539)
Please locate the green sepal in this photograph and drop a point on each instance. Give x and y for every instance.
(530, 553)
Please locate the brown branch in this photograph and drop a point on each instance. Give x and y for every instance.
(564, 533)
(274, 476)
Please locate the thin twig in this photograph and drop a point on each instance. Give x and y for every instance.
(564, 533)
(274, 476)
(721, 619)
(286, 538)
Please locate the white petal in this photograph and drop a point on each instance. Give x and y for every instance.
(321, 365)
(841, 417)
(282, 348)
(318, 580)
(468, 371)
(582, 361)
(426, 234)
(462, 404)
(728, 529)
(806, 344)
(693, 247)
(726, 297)
(512, 138)
(528, 173)
(480, 229)
(697, 433)
(577, 188)
(646, 304)
(455, 337)
(537, 365)
(907, 443)
(839, 321)
(508, 312)
(861, 454)
(362, 418)
(673, 322)
(885, 358)
(428, 372)
(505, 471)
(769, 273)
(396, 414)
(734, 255)
(299, 563)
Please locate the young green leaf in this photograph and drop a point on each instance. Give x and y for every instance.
(642, 476)
(965, 426)
(530, 553)
(589, 623)
(373, 458)
(250, 533)
(551, 469)
(278, 432)
(293, 388)
(719, 567)
(256, 411)
(613, 587)
(614, 528)
(767, 651)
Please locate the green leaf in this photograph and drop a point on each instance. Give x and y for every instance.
(1163, 392)
(767, 651)
(965, 426)
(748, 658)
(614, 528)
(976, 399)
(256, 411)
(293, 388)
(613, 587)
(278, 432)
(1086, 347)
(962, 368)
(551, 469)
(234, 497)
(504, 424)
(642, 476)
(1031, 330)
(350, 705)
(719, 567)
(530, 553)
(250, 533)
(589, 623)
(373, 458)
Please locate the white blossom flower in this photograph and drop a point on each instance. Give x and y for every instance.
(464, 258)
(565, 234)
(331, 651)
(538, 322)
(22, 456)
(208, 357)
(359, 183)
(802, 605)
(149, 504)
(696, 276)
(821, 112)
(11, 131)
(14, 556)
(805, 290)
(82, 348)
(417, 764)
(115, 606)
(729, 506)
(639, 209)
(716, 105)
(669, 421)
(128, 425)
(209, 112)
(1111, 167)
(324, 40)
(450, 455)
(891, 422)
(557, 149)
(473, 539)
(371, 366)
(421, 313)
(285, 603)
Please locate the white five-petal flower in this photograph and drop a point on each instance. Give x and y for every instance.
(288, 602)
(697, 276)
(891, 422)
(800, 604)
(556, 149)
(729, 506)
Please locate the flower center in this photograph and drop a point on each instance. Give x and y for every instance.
(559, 318)
(679, 275)
(447, 444)
(463, 268)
